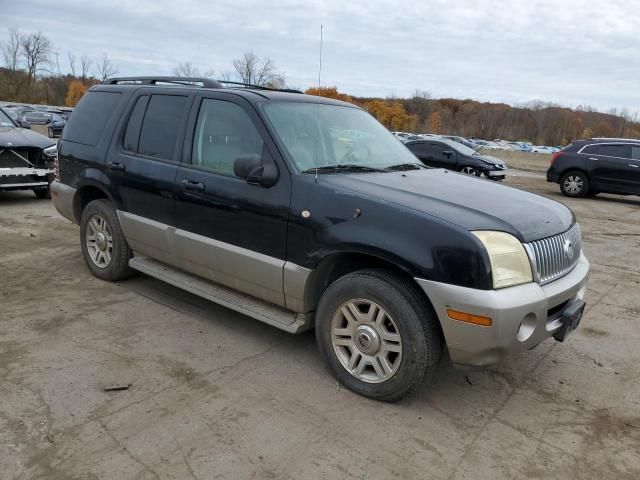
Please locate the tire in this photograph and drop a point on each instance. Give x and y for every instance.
(42, 193)
(574, 184)
(408, 355)
(104, 247)
(469, 170)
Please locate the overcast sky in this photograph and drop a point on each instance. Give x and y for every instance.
(570, 52)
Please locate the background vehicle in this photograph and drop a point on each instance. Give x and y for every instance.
(464, 141)
(36, 117)
(56, 125)
(445, 153)
(303, 211)
(588, 167)
(26, 158)
(543, 149)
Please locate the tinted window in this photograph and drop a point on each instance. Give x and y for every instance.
(223, 133)
(418, 148)
(132, 133)
(614, 150)
(162, 122)
(90, 117)
(436, 149)
(635, 153)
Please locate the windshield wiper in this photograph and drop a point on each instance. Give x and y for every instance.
(405, 166)
(342, 167)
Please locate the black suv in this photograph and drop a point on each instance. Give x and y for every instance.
(588, 167)
(303, 212)
(446, 153)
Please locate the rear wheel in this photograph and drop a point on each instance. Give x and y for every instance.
(574, 184)
(470, 170)
(104, 246)
(377, 335)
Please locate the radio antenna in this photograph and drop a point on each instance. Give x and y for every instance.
(320, 68)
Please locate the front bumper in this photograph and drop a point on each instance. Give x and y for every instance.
(522, 316)
(496, 173)
(24, 178)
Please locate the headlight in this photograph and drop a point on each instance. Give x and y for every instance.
(509, 261)
(51, 152)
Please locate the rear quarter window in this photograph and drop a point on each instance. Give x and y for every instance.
(90, 117)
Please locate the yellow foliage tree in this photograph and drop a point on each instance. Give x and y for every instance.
(75, 92)
(329, 92)
(392, 115)
(435, 122)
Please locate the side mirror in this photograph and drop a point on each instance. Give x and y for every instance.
(24, 124)
(256, 169)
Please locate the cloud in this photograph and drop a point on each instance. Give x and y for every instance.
(570, 52)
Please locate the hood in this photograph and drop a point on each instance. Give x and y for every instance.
(469, 202)
(14, 137)
(490, 159)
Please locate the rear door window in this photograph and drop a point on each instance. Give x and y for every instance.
(132, 133)
(90, 117)
(620, 151)
(161, 126)
(635, 152)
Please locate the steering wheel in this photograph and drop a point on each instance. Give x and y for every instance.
(356, 154)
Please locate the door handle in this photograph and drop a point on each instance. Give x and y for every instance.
(192, 186)
(117, 166)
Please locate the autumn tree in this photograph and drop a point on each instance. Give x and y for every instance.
(76, 90)
(329, 92)
(392, 115)
(435, 122)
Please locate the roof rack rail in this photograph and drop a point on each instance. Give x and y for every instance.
(184, 81)
(258, 87)
(617, 139)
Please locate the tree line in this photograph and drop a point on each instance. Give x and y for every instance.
(31, 72)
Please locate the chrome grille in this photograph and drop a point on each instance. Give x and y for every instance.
(555, 256)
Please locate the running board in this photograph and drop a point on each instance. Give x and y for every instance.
(265, 312)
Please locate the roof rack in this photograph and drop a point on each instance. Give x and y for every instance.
(617, 139)
(258, 87)
(184, 81)
(190, 81)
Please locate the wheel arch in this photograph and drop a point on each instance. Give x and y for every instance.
(85, 194)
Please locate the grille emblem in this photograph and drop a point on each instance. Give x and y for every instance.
(568, 249)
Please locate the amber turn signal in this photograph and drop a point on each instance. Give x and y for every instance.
(469, 318)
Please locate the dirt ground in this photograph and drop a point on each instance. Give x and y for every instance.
(214, 394)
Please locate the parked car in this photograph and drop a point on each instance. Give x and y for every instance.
(16, 119)
(464, 141)
(36, 117)
(542, 149)
(56, 125)
(588, 167)
(445, 153)
(26, 158)
(246, 197)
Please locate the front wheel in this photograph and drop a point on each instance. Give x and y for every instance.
(377, 334)
(104, 246)
(468, 170)
(574, 184)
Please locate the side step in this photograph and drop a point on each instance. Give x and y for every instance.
(245, 304)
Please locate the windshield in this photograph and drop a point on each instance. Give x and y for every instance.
(5, 121)
(320, 135)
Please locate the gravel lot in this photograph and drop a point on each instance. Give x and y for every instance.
(217, 395)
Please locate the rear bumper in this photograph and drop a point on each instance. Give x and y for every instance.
(62, 196)
(553, 176)
(522, 316)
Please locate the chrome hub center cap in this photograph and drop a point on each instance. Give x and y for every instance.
(367, 339)
(101, 241)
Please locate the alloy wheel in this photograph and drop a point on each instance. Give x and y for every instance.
(573, 184)
(99, 241)
(469, 170)
(366, 340)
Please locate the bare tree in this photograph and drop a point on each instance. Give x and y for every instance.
(85, 66)
(35, 49)
(72, 63)
(186, 69)
(105, 68)
(257, 71)
(11, 51)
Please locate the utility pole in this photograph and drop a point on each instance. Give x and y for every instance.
(320, 69)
